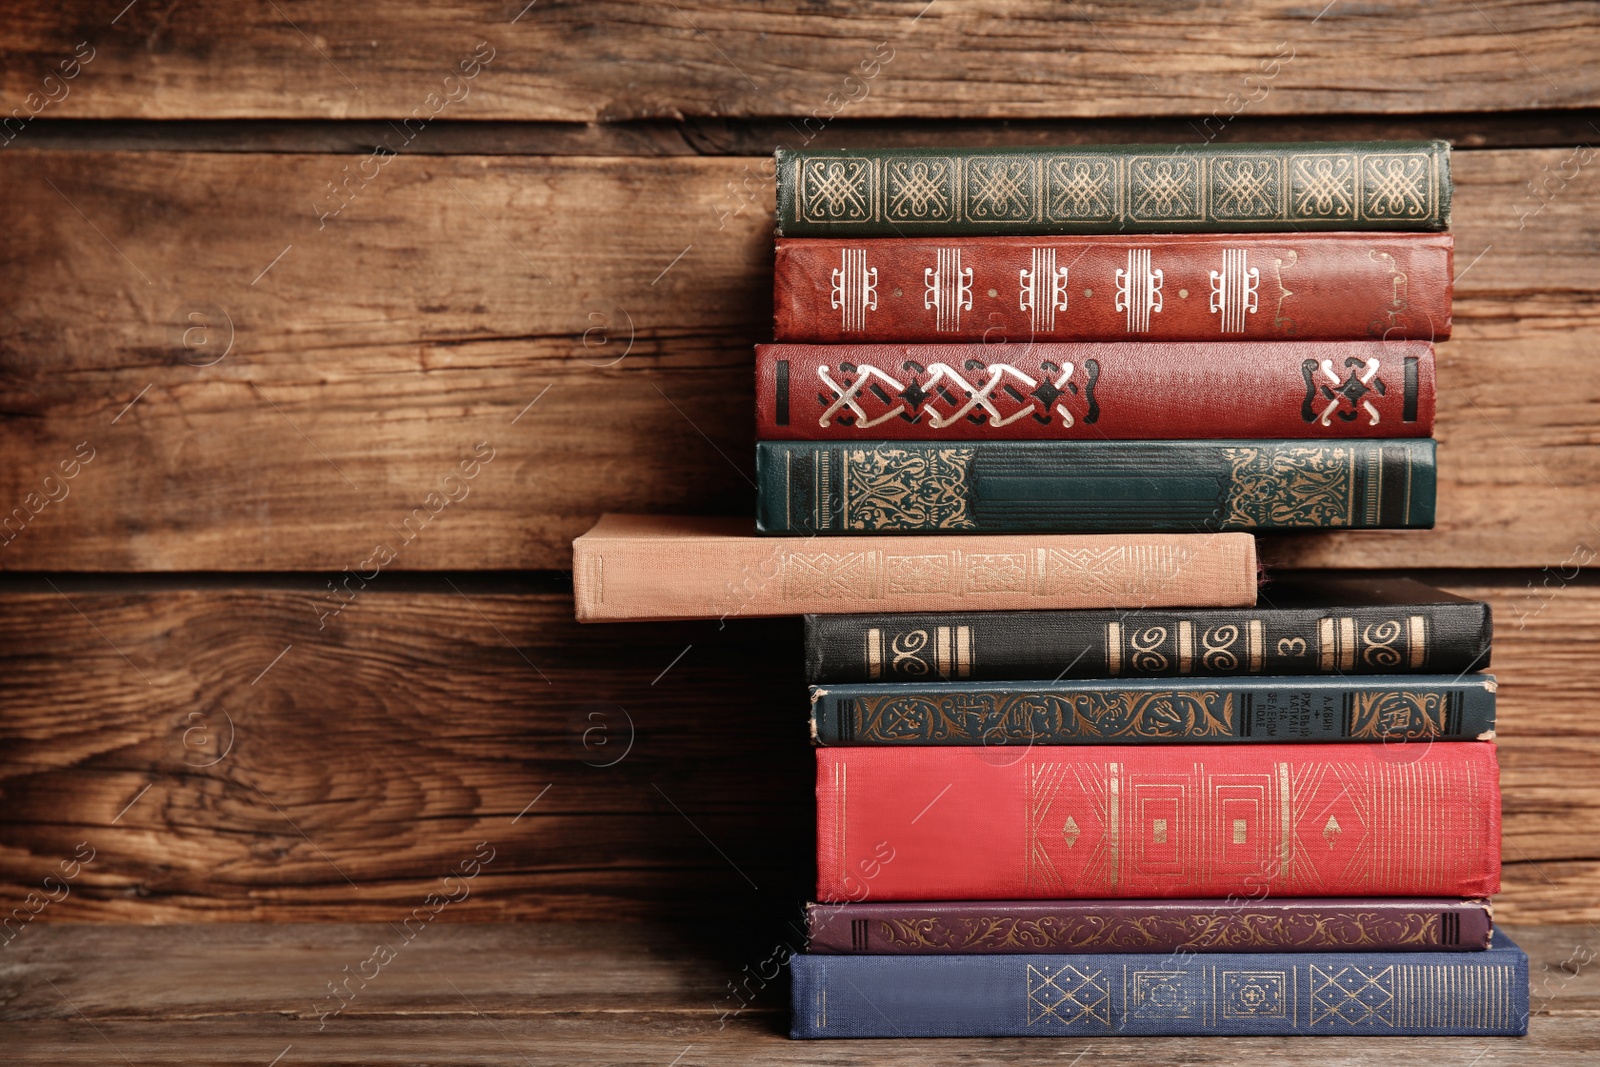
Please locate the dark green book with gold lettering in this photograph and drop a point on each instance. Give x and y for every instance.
(1092, 486)
(1201, 188)
(1014, 715)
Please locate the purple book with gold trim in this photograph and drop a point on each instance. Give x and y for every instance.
(1108, 926)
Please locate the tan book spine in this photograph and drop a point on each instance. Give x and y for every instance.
(652, 568)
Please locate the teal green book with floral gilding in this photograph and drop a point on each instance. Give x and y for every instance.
(1202, 188)
(1092, 486)
(1156, 711)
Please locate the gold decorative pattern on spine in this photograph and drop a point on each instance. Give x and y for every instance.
(1255, 646)
(897, 488)
(874, 653)
(1417, 640)
(1290, 486)
(1407, 715)
(1237, 928)
(1326, 186)
(1374, 486)
(1114, 648)
(1044, 718)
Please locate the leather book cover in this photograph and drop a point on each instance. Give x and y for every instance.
(1117, 390)
(648, 567)
(1135, 188)
(1120, 821)
(1300, 626)
(1328, 924)
(1172, 287)
(1155, 711)
(814, 487)
(1300, 994)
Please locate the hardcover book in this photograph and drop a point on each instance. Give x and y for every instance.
(1300, 626)
(1122, 390)
(1329, 924)
(809, 487)
(674, 567)
(1344, 994)
(1155, 711)
(1137, 188)
(1122, 821)
(1173, 287)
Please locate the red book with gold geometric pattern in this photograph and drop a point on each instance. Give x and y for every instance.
(1094, 390)
(1029, 823)
(1116, 287)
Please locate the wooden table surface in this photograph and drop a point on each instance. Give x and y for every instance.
(582, 994)
(259, 341)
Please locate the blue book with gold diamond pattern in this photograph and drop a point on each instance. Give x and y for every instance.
(1339, 994)
(1136, 188)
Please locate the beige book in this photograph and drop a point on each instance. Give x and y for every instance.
(642, 567)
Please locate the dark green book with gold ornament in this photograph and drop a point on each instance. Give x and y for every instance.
(1092, 486)
(1015, 715)
(1197, 188)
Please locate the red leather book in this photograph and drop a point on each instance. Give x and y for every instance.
(1125, 390)
(1177, 287)
(1020, 823)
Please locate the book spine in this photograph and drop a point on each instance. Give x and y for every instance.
(1091, 486)
(1297, 287)
(1078, 926)
(667, 578)
(1393, 185)
(1122, 821)
(1382, 639)
(1109, 391)
(1155, 712)
(1231, 994)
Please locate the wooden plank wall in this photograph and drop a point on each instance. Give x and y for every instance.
(240, 350)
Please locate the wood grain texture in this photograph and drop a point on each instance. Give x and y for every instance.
(578, 994)
(613, 60)
(372, 350)
(369, 758)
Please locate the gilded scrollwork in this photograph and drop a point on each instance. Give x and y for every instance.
(1226, 929)
(1289, 486)
(1020, 718)
(897, 488)
(1410, 716)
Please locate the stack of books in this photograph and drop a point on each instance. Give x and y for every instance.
(1079, 771)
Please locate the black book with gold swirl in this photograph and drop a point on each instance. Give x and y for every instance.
(1300, 626)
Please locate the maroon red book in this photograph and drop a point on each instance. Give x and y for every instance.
(1123, 821)
(1177, 287)
(1123, 390)
(1391, 924)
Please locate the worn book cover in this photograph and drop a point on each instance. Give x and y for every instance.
(1168, 287)
(678, 567)
(1119, 390)
(1092, 821)
(1313, 994)
(1242, 924)
(1156, 711)
(1154, 188)
(806, 487)
(1301, 625)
